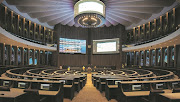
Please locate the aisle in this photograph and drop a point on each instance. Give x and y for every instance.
(89, 94)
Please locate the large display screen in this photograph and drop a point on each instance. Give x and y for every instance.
(72, 46)
(106, 46)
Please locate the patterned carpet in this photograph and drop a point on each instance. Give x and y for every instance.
(89, 94)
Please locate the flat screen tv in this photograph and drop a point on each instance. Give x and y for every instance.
(116, 82)
(136, 87)
(45, 86)
(72, 46)
(21, 85)
(6, 83)
(160, 86)
(106, 46)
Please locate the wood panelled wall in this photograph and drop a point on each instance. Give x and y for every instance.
(89, 35)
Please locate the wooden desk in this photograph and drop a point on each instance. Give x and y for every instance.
(111, 91)
(41, 92)
(48, 93)
(8, 96)
(137, 93)
(169, 97)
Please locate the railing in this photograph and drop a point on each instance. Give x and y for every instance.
(23, 28)
(154, 30)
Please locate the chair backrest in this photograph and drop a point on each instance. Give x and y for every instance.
(32, 95)
(153, 94)
(3, 88)
(176, 90)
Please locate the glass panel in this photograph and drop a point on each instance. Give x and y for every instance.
(147, 58)
(19, 56)
(142, 58)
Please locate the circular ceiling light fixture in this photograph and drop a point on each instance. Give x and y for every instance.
(89, 13)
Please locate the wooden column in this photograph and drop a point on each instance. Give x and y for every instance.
(175, 56)
(162, 57)
(139, 61)
(23, 27)
(156, 57)
(28, 56)
(144, 61)
(38, 37)
(17, 25)
(10, 54)
(52, 38)
(28, 30)
(38, 60)
(168, 56)
(16, 55)
(150, 57)
(47, 58)
(3, 54)
(43, 58)
(22, 56)
(33, 56)
(11, 22)
(44, 35)
(134, 58)
(34, 30)
(5, 17)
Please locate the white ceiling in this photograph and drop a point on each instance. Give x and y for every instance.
(126, 12)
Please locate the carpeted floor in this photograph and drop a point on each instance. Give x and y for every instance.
(89, 94)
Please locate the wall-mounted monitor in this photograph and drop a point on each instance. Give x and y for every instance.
(34, 78)
(45, 79)
(160, 86)
(45, 86)
(106, 46)
(64, 81)
(72, 46)
(21, 85)
(136, 87)
(175, 85)
(116, 82)
(6, 83)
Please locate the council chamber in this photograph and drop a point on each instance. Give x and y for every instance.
(89, 50)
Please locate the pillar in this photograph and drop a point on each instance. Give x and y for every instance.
(28, 56)
(156, 57)
(139, 61)
(3, 54)
(33, 56)
(38, 59)
(10, 54)
(175, 56)
(43, 58)
(162, 57)
(144, 61)
(168, 56)
(16, 55)
(22, 56)
(23, 27)
(150, 57)
(134, 58)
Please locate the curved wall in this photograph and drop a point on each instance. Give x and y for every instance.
(89, 35)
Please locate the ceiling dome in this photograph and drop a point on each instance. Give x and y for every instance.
(125, 12)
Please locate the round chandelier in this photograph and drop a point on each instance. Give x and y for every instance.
(89, 13)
